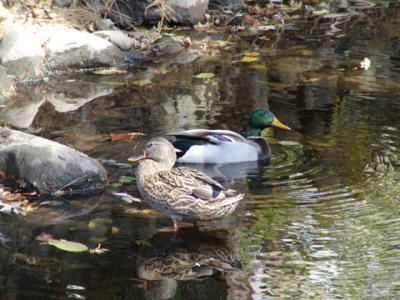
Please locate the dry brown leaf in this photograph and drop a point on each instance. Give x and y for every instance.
(121, 136)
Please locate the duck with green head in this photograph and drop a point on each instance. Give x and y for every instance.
(225, 146)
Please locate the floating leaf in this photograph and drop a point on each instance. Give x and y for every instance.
(143, 243)
(99, 221)
(205, 75)
(142, 82)
(252, 54)
(114, 230)
(113, 83)
(126, 179)
(121, 136)
(109, 71)
(68, 245)
(149, 212)
(259, 67)
(249, 59)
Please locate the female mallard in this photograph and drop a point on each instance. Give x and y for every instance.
(183, 194)
(225, 146)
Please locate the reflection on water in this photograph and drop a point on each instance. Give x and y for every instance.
(196, 258)
(319, 221)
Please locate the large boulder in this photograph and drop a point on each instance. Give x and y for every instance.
(48, 166)
(21, 51)
(32, 51)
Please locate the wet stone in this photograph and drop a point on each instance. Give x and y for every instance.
(48, 166)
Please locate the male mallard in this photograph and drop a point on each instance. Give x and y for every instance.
(183, 194)
(225, 146)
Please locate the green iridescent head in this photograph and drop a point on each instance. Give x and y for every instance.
(261, 119)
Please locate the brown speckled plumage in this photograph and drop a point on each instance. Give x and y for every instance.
(183, 194)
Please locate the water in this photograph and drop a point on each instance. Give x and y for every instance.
(320, 221)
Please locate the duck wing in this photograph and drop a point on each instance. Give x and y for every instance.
(209, 136)
(196, 183)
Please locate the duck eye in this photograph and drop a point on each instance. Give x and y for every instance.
(149, 145)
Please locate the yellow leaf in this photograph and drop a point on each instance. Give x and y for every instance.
(99, 221)
(109, 71)
(142, 82)
(114, 230)
(249, 59)
(149, 212)
(142, 242)
(259, 67)
(252, 54)
(205, 75)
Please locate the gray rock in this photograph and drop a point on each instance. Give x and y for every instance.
(32, 51)
(118, 38)
(187, 11)
(138, 12)
(6, 85)
(62, 3)
(21, 51)
(68, 48)
(48, 166)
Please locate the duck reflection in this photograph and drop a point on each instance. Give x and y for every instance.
(196, 260)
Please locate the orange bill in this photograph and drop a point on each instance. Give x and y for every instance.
(278, 123)
(139, 157)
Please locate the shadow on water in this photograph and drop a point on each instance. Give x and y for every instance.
(320, 221)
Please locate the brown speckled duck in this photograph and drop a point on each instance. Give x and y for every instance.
(183, 194)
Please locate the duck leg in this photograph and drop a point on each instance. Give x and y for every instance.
(195, 226)
(176, 226)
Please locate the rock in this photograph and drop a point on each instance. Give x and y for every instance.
(21, 51)
(68, 48)
(48, 166)
(118, 38)
(170, 50)
(226, 4)
(62, 3)
(187, 11)
(138, 12)
(32, 51)
(6, 85)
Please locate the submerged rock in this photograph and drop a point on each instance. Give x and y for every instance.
(48, 166)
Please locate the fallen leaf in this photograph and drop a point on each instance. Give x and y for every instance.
(142, 82)
(109, 71)
(150, 212)
(121, 136)
(99, 221)
(126, 179)
(259, 67)
(68, 245)
(252, 54)
(249, 59)
(205, 75)
(143, 243)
